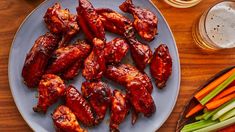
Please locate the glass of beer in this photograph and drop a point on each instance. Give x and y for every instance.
(215, 29)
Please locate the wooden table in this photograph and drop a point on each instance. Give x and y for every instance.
(197, 66)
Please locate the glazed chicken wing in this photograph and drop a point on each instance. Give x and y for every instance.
(116, 50)
(145, 22)
(95, 64)
(90, 21)
(120, 108)
(113, 21)
(37, 59)
(66, 56)
(98, 95)
(80, 107)
(50, 89)
(137, 84)
(117, 23)
(65, 120)
(61, 22)
(141, 53)
(161, 66)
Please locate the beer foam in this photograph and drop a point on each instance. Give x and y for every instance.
(220, 24)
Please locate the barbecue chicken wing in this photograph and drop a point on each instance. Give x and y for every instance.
(95, 64)
(61, 22)
(98, 95)
(37, 59)
(113, 21)
(65, 120)
(66, 56)
(115, 50)
(120, 108)
(50, 89)
(138, 86)
(90, 21)
(141, 53)
(161, 66)
(80, 107)
(145, 22)
(117, 23)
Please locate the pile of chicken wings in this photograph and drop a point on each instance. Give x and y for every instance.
(53, 60)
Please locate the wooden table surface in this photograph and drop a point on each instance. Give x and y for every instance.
(196, 66)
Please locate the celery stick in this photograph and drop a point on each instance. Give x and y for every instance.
(211, 113)
(218, 89)
(197, 125)
(217, 125)
(200, 117)
(227, 115)
(227, 108)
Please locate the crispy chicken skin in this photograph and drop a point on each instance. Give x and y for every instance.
(50, 89)
(80, 107)
(65, 120)
(120, 108)
(137, 84)
(73, 70)
(145, 22)
(116, 50)
(37, 59)
(95, 64)
(98, 95)
(161, 66)
(113, 21)
(90, 21)
(66, 56)
(61, 22)
(141, 53)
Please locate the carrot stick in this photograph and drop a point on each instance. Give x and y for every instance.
(194, 110)
(224, 93)
(213, 85)
(219, 102)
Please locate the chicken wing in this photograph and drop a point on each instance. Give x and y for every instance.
(95, 64)
(145, 22)
(90, 21)
(120, 108)
(66, 56)
(113, 21)
(115, 50)
(161, 66)
(37, 59)
(138, 86)
(98, 95)
(141, 53)
(61, 22)
(65, 120)
(50, 89)
(119, 24)
(80, 107)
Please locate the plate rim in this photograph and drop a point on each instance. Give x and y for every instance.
(44, 2)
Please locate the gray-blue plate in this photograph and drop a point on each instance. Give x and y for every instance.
(25, 99)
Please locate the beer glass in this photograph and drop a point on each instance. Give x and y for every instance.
(215, 29)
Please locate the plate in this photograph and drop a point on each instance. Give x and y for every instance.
(25, 98)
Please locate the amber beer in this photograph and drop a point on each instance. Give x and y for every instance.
(215, 29)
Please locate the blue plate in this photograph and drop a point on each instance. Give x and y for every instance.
(25, 98)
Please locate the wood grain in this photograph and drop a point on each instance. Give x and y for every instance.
(196, 65)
